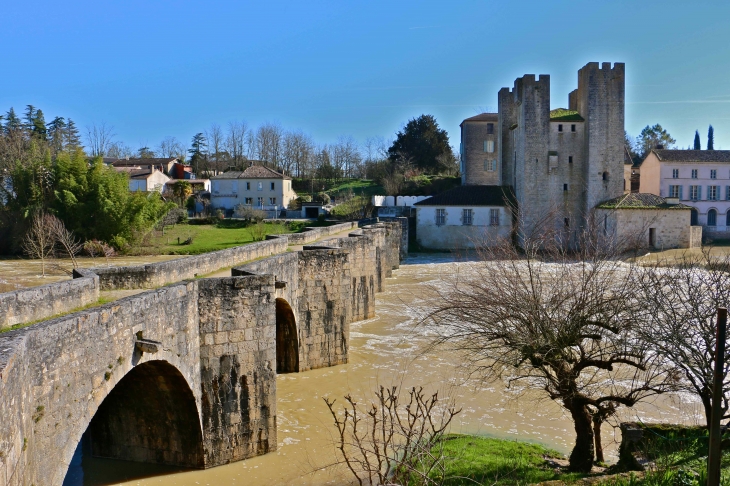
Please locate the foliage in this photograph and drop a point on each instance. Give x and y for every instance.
(181, 191)
(651, 137)
(710, 138)
(322, 197)
(296, 203)
(249, 213)
(422, 142)
(358, 207)
(697, 145)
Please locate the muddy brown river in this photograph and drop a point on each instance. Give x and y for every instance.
(385, 350)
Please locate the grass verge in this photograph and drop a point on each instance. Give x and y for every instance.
(99, 302)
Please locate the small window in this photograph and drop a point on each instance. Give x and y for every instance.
(713, 174)
(605, 176)
(565, 187)
(694, 173)
(234, 187)
(440, 217)
(560, 127)
(494, 217)
(272, 201)
(466, 217)
(673, 191)
(249, 200)
(248, 186)
(490, 128)
(273, 186)
(675, 173)
(570, 159)
(489, 146)
(260, 201)
(566, 222)
(572, 128)
(261, 187)
(490, 165)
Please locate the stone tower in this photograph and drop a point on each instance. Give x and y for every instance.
(480, 164)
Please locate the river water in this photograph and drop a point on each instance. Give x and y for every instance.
(385, 350)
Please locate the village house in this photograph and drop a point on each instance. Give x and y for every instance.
(257, 186)
(465, 217)
(148, 179)
(698, 178)
(164, 164)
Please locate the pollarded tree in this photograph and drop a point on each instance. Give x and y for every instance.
(555, 322)
(424, 142)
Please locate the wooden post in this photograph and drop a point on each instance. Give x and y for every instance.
(715, 454)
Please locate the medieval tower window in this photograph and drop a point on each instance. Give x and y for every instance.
(572, 128)
(570, 159)
(565, 187)
(605, 176)
(566, 221)
(490, 128)
(560, 127)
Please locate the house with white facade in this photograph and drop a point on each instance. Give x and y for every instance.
(145, 179)
(257, 186)
(698, 178)
(465, 217)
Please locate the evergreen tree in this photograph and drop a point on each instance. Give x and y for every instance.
(30, 113)
(711, 138)
(72, 139)
(12, 123)
(422, 142)
(57, 133)
(39, 125)
(197, 154)
(652, 137)
(145, 153)
(697, 140)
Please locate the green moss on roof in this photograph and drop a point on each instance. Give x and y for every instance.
(639, 201)
(561, 114)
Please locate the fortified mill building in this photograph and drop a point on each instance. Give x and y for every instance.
(567, 160)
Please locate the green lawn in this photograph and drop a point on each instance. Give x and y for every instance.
(359, 188)
(481, 460)
(209, 237)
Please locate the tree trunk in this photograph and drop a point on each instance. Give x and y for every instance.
(597, 422)
(581, 458)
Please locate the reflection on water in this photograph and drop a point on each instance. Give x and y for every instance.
(386, 350)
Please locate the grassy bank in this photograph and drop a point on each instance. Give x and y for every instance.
(193, 239)
(481, 460)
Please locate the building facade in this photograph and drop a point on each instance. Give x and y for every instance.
(560, 162)
(465, 217)
(257, 186)
(699, 178)
(147, 180)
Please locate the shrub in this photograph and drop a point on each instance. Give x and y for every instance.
(247, 212)
(323, 198)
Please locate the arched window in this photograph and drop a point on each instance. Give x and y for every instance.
(727, 219)
(693, 218)
(712, 217)
(605, 176)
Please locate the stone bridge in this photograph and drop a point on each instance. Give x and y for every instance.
(185, 373)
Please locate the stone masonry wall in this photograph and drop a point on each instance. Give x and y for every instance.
(34, 303)
(55, 374)
(238, 367)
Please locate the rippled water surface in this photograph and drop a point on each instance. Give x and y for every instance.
(387, 350)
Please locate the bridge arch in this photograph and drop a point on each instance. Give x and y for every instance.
(287, 341)
(150, 416)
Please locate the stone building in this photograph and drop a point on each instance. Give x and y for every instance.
(699, 178)
(465, 217)
(560, 161)
(640, 220)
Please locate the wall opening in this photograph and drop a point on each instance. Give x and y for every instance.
(149, 417)
(694, 217)
(287, 342)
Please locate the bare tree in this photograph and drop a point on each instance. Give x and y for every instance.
(171, 147)
(64, 237)
(235, 142)
(119, 150)
(268, 143)
(562, 323)
(681, 300)
(39, 241)
(216, 141)
(390, 443)
(99, 137)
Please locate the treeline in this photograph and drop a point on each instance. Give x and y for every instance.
(45, 171)
(655, 136)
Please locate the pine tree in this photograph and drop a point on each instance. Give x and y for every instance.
(13, 123)
(697, 140)
(711, 138)
(38, 128)
(72, 137)
(30, 113)
(56, 133)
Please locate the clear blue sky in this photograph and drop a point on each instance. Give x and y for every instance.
(361, 68)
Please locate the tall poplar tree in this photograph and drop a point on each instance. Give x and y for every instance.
(697, 140)
(711, 138)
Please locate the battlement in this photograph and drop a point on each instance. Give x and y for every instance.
(618, 67)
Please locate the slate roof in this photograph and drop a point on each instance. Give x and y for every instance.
(472, 196)
(562, 114)
(666, 155)
(123, 162)
(640, 200)
(253, 172)
(486, 117)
